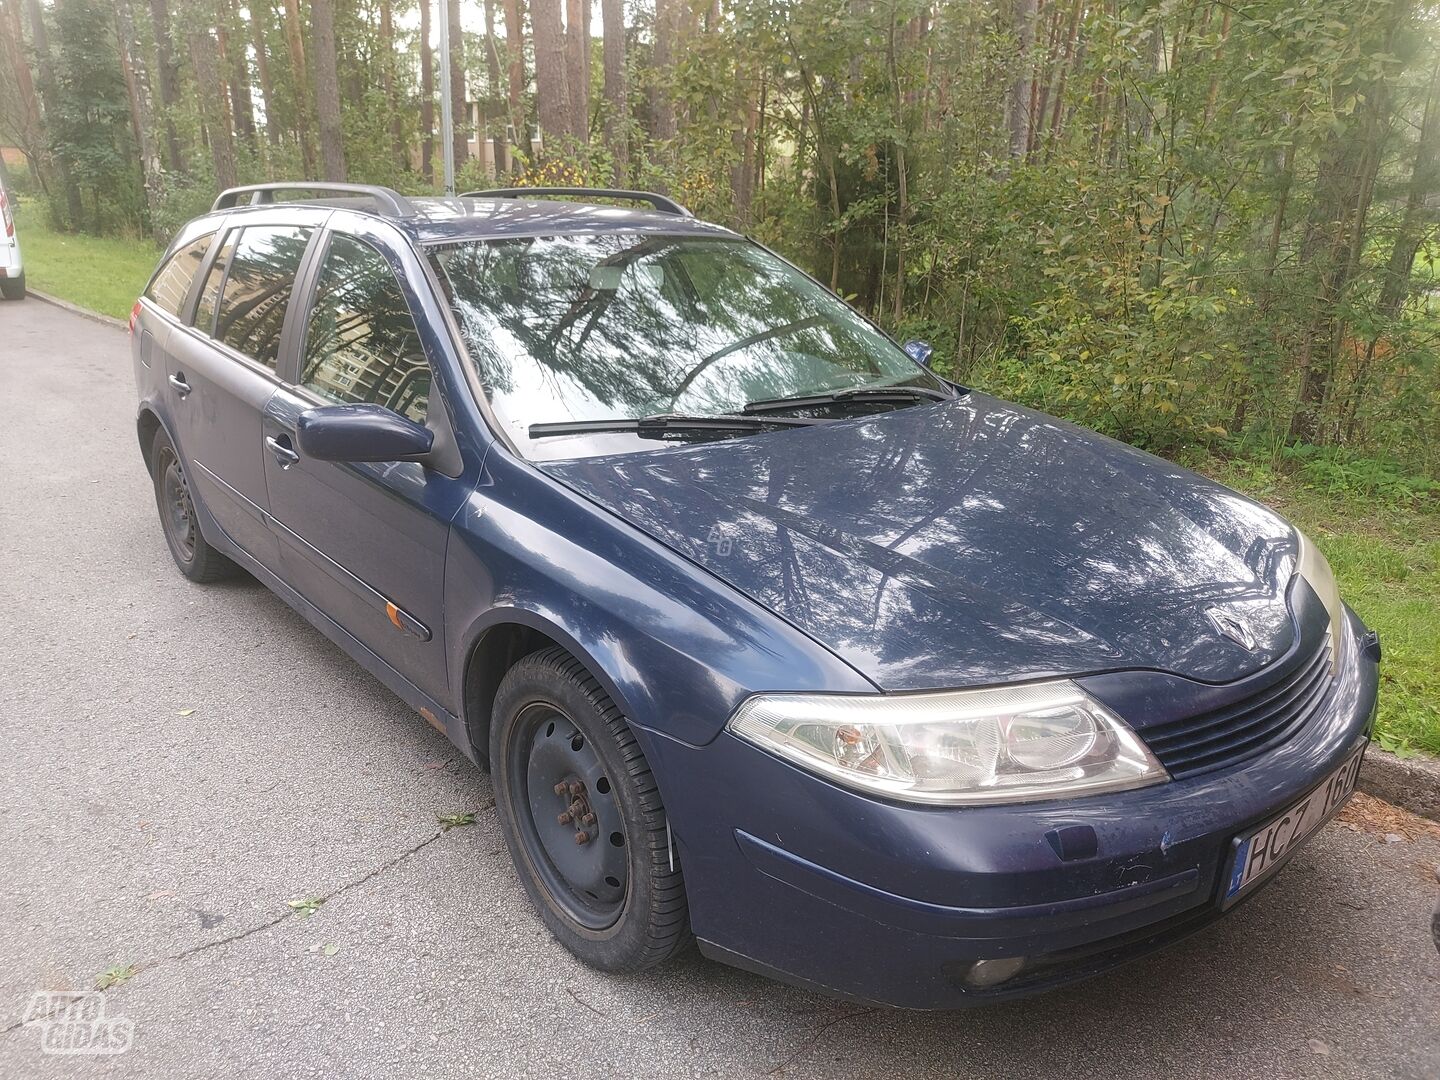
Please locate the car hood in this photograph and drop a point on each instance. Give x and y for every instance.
(968, 542)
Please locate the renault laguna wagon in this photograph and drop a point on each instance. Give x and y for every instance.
(770, 637)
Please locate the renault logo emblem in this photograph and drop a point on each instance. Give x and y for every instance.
(1231, 627)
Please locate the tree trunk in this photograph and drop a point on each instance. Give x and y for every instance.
(327, 91)
(295, 42)
(662, 104)
(32, 133)
(492, 87)
(137, 82)
(427, 97)
(237, 67)
(259, 28)
(515, 55)
(458, 96)
(902, 174)
(1020, 86)
(1329, 247)
(387, 77)
(617, 102)
(213, 107)
(1067, 58)
(167, 81)
(1411, 233)
(577, 68)
(1212, 95)
(552, 100)
(40, 40)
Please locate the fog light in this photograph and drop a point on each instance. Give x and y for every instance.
(987, 973)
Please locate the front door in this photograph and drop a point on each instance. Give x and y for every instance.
(364, 541)
(221, 375)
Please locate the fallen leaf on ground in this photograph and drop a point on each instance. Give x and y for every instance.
(186, 712)
(114, 976)
(306, 906)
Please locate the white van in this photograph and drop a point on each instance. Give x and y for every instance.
(12, 270)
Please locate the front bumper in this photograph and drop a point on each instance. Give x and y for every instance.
(814, 884)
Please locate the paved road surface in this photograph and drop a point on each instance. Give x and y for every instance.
(136, 831)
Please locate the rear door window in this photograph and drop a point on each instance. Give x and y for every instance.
(257, 290)
(361, 344)
(172, 282)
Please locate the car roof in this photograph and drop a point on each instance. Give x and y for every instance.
(441, 220)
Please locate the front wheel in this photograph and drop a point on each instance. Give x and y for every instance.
(582, 817)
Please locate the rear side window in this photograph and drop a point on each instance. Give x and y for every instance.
(257, 290)
(210, 294)
(361, 344)
(172, 281)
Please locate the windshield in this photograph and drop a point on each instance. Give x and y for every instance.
(572, 328)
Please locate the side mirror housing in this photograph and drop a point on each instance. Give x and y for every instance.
(920, 352)
(361, 433)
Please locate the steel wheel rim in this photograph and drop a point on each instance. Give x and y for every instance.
(588, 879)
(177, 510)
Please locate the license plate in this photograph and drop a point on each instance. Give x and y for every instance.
(1261, 853)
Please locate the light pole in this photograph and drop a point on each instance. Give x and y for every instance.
(447, 119)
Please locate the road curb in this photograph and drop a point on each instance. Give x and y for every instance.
(1410, 782)
(76, 309)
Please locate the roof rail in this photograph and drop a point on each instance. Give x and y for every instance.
(662, 203)
(390, 202)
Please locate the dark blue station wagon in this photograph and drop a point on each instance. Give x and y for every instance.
(769, 636)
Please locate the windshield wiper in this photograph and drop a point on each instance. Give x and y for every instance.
(865, 394)
(664, 423)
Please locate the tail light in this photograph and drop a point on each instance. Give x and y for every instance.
(5, 216)
(134, 316)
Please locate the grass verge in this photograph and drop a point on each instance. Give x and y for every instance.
(1386, 557)
(103, 274)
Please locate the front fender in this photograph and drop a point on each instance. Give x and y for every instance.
(675, 647)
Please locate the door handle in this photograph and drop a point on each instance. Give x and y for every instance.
(284, 453)
(181, 386)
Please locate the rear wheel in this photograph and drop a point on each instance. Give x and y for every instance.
(196, 559)
(582, 817)
(13, 288)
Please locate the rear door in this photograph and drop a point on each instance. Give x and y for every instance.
(222, 371)
(365, 541)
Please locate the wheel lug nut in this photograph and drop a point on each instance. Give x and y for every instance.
(560, 788)
(582, 838)
(588, 819)
(565, 818)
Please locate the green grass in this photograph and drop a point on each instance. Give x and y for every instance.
(103, 274)
(1386, 557)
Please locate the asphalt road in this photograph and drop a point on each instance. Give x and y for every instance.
(179, 761)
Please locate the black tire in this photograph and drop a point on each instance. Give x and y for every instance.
(553, 724)
(196, 559)
(13, 288)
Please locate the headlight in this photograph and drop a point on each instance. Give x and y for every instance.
(955, 747)
(1312, 566)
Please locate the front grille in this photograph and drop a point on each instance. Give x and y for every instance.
(1244, 728)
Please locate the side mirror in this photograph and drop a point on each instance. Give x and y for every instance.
(361, 433)
(920, 352)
